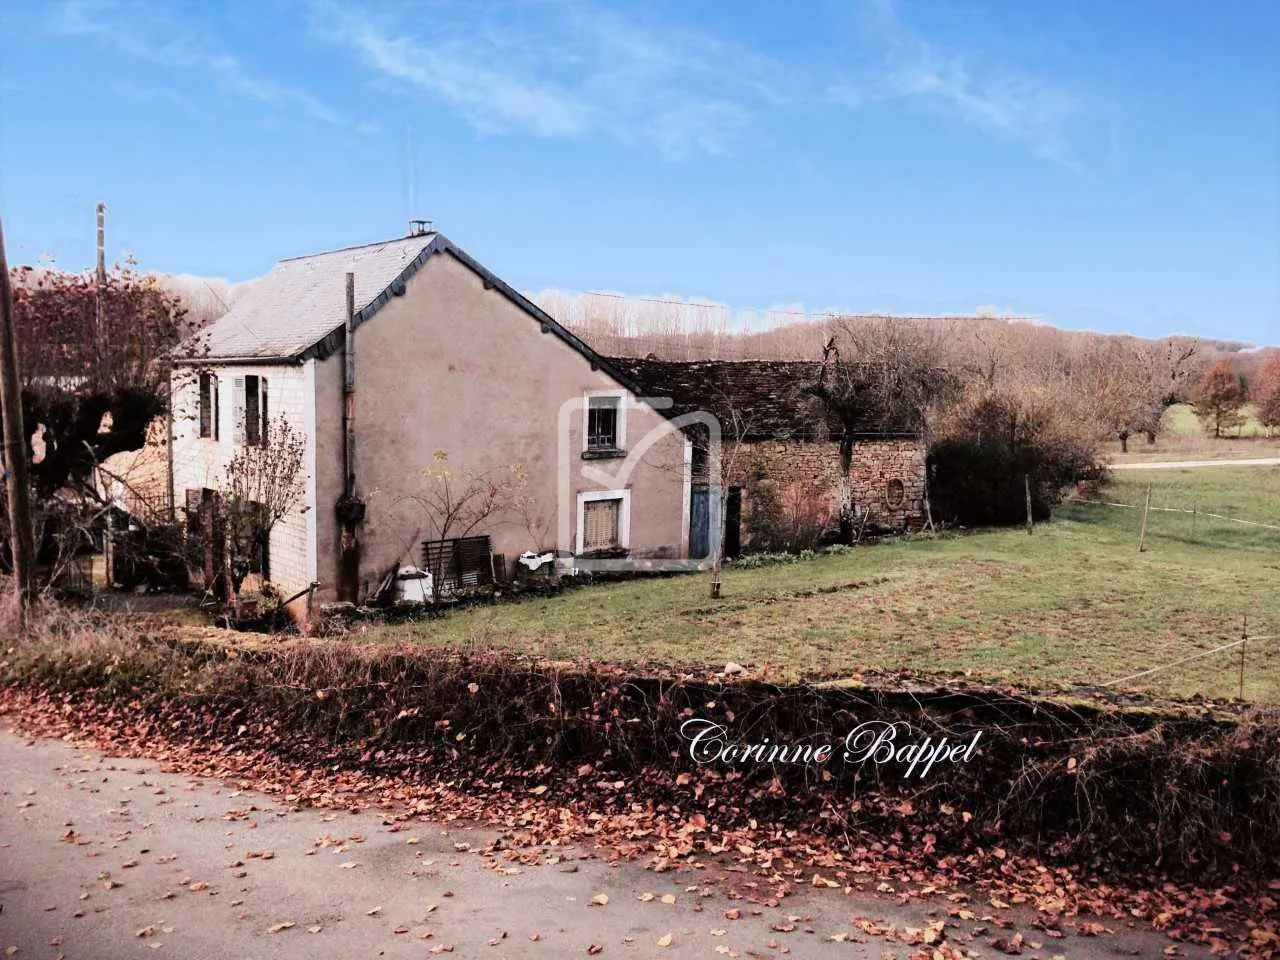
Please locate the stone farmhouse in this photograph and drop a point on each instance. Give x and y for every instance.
(430, 365)
(406, 367)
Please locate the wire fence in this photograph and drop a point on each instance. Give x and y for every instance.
(1213, 529)
(1195, 656)
(1192, 513)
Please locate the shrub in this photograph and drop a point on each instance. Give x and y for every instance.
(988, 444)
(797, 517)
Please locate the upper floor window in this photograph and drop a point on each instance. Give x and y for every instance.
(209, 406)
(251, 410)
(604, 422)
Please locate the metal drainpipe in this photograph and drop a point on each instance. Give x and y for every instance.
(349, 393)
(349, 512)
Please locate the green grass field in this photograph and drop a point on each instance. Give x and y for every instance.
(1075, 603)
(1183, 437)
(1180, 420)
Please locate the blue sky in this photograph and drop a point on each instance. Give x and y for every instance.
(1103, 165)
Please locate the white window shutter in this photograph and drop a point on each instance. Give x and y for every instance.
(237, 411)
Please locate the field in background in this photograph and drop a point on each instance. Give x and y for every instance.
(1183, 437)
(1075, 603)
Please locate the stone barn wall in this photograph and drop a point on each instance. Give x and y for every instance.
(800, 482)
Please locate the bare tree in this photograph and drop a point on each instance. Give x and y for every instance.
(878, 375)
(723, 464)
(262, 484)
(455, 503)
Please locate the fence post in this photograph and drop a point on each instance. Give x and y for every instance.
(1142, 537)
(1026, 482)
(1193, 520)
(1244, 642)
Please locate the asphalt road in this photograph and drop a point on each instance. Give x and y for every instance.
(106, 858)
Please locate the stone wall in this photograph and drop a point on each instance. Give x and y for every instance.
(801, 482)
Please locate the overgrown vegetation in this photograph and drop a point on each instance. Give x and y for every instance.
(996, 451)
(94, 376)
(1126, 791)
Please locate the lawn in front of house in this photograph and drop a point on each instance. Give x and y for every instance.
(1074, 603)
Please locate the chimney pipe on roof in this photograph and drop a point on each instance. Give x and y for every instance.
(419, 228)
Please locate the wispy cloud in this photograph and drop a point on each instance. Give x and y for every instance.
(1006, 102)
(143, 32)
(560, 69)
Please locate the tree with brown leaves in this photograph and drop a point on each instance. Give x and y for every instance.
(1266, 393)
(1219, 398)
(263, 484)
(95, 368)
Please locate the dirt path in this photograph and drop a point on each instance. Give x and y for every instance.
(1175, 464)
(104, 858)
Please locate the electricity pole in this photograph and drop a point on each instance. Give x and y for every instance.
(15, 447)
(102, 279)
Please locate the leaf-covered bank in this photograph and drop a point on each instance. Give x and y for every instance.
(1064, 805)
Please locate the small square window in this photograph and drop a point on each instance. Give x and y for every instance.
(602, 423)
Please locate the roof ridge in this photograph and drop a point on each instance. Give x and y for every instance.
(426, 237)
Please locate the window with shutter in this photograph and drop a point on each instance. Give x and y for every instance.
(237, 410)
(600, 524)
(206, 405)
(252, 411)
(263, 433)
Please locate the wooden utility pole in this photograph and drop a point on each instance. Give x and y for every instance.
(15, 447)
(102, 243)
(101, 275)
(108, 545)
(1142, 536)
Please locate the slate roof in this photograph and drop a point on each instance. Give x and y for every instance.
(764, 397)
(303, 300)
(755, 399)
(298, 310)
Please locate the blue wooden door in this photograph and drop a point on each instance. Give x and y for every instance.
(699, 522)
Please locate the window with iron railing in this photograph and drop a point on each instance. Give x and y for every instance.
(602, 423)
